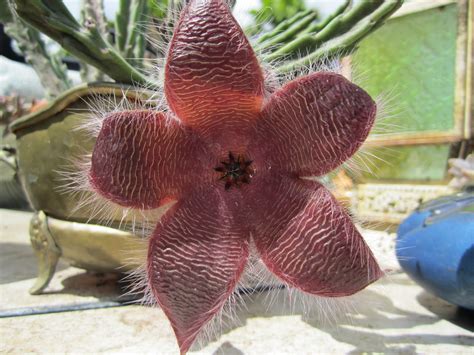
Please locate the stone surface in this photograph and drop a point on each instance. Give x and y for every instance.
(393, 316)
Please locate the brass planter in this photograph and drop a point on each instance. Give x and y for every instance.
(11, 193)
(46, 142)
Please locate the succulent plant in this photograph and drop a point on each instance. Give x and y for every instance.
(228, 155)
(301, 41)
(47, 65)
(296, 42)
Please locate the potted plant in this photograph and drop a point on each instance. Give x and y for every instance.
(46, 140)
(219, 157)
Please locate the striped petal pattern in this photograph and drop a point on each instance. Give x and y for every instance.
(313, 124)
(214, 89)
(195, 258)
(306, 239)
(143, 159)
(213, 81)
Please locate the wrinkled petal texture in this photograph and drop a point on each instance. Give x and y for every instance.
(305, 238)
(213, 81)
(195, 258)
(143, 159)
(313, 124)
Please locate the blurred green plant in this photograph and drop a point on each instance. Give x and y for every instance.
(130, 39)
(84, 41)
(304, 39)
(93, 10)
(47, 65)
(273, 12)
(298, 39)
(100, 54)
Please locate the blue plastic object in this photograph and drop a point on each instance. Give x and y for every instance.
(435, 247)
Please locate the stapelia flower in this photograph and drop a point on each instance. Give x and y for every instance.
(233, 160)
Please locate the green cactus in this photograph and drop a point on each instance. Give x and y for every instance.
(51, 71)
(292, 29)
(123, 60)
(129, 31)
(275, 12)
(316, 27)
(337, 35)
(93, 11)
(282, 26)
(85, 42)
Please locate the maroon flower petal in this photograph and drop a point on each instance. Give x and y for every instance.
(213, 81)
(195, 258)
(143, 159)
(306, 239)
(313, 124)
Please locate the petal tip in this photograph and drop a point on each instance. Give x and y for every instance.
(309, 241)
(195, 262)
(330, 119)
(213, 79)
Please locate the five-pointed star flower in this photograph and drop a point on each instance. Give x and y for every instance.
(233, 157)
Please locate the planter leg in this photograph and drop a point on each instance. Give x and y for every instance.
(46, 251)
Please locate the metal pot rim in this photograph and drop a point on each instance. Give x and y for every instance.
(70, 96)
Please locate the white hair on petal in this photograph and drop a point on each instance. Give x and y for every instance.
(257, 277)
(367, 157)
(74, 173)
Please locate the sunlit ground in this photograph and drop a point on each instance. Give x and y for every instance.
(391, 316)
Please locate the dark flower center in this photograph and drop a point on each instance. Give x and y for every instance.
(235, 171)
